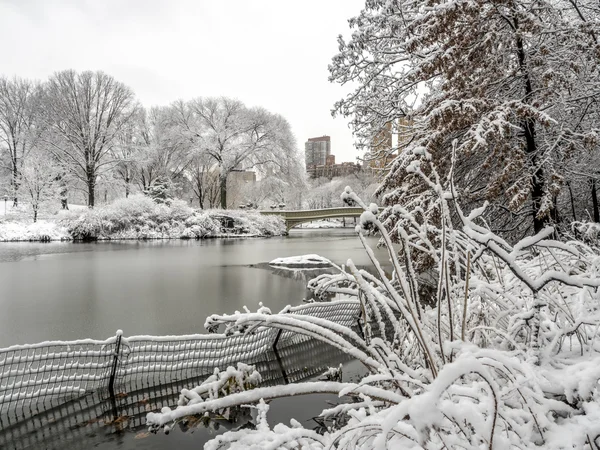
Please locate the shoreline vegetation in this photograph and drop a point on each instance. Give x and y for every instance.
(141, 218)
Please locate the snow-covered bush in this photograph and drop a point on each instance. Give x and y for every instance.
(505, 354)
(140, 217)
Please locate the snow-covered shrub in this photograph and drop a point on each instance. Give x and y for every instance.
(251, 222)
(586, 231)
(505, 354)
(219, 385)
(140, 217)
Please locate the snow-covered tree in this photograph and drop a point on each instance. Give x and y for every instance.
(39, 182)
(164, 150)
(509, 85)
(85, 113)
(20, 126)
(161, 191)
(237, 137)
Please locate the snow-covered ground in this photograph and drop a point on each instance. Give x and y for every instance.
(138, 217)
(39, 231)
(317, 224)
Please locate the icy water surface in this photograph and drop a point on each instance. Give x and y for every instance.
(66, 291)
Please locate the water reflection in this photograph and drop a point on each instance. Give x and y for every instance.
(71, 291)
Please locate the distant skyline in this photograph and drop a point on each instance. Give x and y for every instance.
(265, 52)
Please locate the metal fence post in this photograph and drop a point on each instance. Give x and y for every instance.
(113, 372)
(279, 361)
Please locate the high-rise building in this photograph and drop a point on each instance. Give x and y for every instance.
(316, 151)
(386, 145)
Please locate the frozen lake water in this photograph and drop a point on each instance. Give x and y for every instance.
(71, 291)
(76, 290)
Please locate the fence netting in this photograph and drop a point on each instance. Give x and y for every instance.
(40, 375)
(85, 421)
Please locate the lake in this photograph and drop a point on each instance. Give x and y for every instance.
(67, 291)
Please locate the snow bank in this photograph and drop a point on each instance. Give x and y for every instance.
(311, 261)
(318, 224)
(139, 217)
(39, 231)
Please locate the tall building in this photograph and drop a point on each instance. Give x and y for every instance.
(316, 151)
(381, 153)
(238, 183)
(386, 145)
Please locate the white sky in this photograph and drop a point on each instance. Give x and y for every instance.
(272, 53)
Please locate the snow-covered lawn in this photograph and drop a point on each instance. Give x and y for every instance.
(39, 231)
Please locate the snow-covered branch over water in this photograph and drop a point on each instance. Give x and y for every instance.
(472, 342)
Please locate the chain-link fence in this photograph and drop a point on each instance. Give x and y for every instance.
(35, 376)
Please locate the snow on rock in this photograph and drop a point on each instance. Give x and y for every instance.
(309, 261)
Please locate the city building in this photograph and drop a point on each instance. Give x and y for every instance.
(321, 163)
(333, 170)
(386, 145)
(316, 151)
(238, 183)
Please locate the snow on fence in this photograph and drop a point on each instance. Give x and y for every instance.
(58, 369)
(54, 368)
(87, 420)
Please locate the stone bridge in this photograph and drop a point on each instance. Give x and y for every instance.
(293, 218)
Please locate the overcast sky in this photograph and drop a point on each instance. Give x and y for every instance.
(271, 53)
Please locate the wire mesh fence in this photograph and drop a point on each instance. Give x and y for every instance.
(53, 369)
(90, 420)
(45, 374)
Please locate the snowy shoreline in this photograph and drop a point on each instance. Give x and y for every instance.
(140, 218)
(56, 234)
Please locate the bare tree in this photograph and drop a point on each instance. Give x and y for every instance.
(204, 180)
(86, 112)
(19, 125)
(236, 137)
(164, 150)
(38, 181)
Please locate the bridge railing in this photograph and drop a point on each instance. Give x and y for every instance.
(34, 374)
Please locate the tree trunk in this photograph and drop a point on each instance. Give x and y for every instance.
(595, 201)
(528, 124)
(555, 212)
(35, 215)
(127, 181)
(15, 183)
(91, 182)
(572, 201)
(223, 186)
(199, 192)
